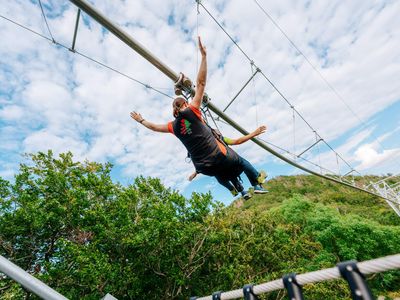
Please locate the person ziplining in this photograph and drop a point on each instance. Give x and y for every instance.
(209, 153)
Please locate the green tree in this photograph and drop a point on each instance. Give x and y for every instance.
(70, 225)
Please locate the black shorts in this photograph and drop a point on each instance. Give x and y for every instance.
(222, 165)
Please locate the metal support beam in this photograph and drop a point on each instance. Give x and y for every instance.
(76, 30)
(124, 37)
(390, 195)
(348, 173)
(396, 185)
(238, 93)
(294, 289)
(28, 281)
(356, 280)
(309, 147)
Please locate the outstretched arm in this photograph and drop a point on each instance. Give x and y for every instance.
(245, 138)
(155, 127)
(201, 77)
(192, 176)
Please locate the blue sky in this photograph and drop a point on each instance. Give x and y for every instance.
(52, 98)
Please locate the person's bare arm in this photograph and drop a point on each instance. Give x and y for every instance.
(247, 137)
(201, 78)
(192, 176)
(155, 127)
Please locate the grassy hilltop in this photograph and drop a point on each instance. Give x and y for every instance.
(71, 226)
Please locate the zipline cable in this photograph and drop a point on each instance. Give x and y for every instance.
(294, 134)
(86, 57)
(174, 76)
(253, 71)
(330, 86)
(289, 153)
(267, 78)
(223, 29)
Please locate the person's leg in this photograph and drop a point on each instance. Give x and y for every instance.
(256, 178)
(237, 184)
(251, 173)
(222, 180)
(239, 187)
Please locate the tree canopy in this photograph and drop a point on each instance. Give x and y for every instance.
(71, 226)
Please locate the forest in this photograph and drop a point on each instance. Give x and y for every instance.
(67, 223)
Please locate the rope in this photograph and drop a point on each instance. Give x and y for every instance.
(207, 110)
(45, 20)
(87, 57)
(197, 32)
(337, 163)
(294, 134)
(367, 267)
(254, 90)
(319, 153)
(223, 29)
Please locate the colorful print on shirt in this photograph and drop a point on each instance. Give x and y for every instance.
(185, 127)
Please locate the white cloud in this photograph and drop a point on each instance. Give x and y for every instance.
(55, 99)
(370, 158)
(11, 112)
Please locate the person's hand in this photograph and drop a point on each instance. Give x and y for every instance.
(192, 176)
(136, 116)
(202, 48)
(260, 130)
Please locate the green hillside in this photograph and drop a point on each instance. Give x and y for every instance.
(70, 225)
(344, 199)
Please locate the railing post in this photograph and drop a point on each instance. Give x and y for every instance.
(249, 293)
(356, 280)
(295, 292)
(28, 281)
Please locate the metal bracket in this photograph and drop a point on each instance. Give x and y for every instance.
(248, 292)
(356, 280)
(216, 296)
(309, 147)
(238, 93)
(295, 292)
(348, 173)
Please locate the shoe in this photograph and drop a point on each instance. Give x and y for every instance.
(261, 177)
(260, 190)
(234, 192)
(246, 195)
